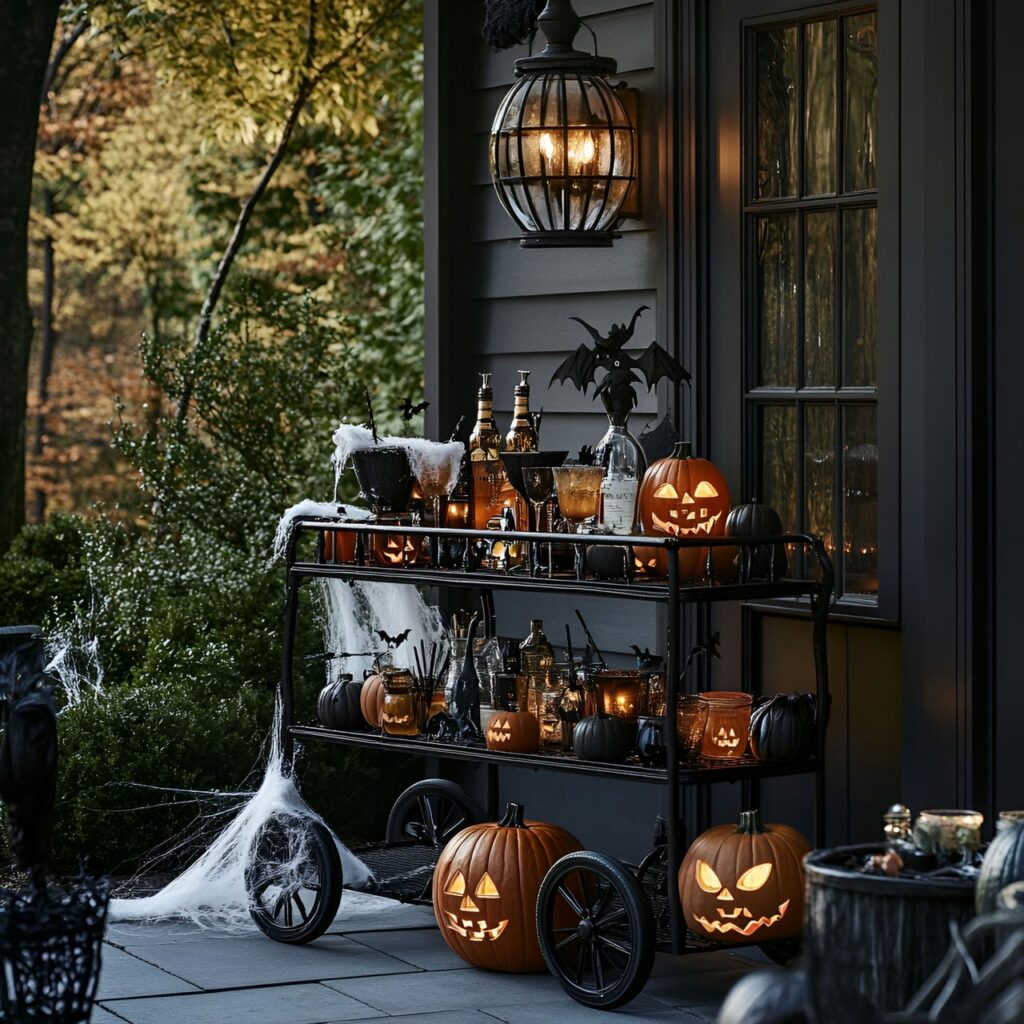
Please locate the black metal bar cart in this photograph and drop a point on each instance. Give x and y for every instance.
(647, 914)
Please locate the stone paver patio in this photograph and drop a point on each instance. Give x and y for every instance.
(380, 959)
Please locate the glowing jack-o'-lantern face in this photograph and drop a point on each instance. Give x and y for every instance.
(397, 548)
(737, 884)
(515, 732)
(686, 498)
(726, 738)
(470, 921)
(485, 890)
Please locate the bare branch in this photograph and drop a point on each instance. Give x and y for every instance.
(67, 41)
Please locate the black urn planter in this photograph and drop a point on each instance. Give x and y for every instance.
(870, 941)
(385, 477)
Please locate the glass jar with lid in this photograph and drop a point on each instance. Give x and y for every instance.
(728, 725)
(400, 713)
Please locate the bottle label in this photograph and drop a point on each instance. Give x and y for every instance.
(619, 497)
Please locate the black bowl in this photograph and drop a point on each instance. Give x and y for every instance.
(385, 477)
(515, 461)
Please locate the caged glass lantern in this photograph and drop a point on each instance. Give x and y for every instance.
(563, 148)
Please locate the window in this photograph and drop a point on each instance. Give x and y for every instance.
(811, 312)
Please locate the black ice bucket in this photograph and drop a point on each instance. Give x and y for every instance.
(385, 477)
(50, 950)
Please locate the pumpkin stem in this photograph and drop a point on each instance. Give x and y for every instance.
(750, 823)
(513, 817)
(681, 450)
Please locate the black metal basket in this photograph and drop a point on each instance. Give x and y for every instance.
(50, 950)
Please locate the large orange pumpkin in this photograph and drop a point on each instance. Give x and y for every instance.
(746, 883)
(371, 699)
(485, 890)
(682, 497)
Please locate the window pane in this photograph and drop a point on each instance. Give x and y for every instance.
(860, 309)
(819, 299)
(777, 116)
(860, 142)
(776, 299)
(819, 471)
(860, 500)
(820, 113)
(778, 461)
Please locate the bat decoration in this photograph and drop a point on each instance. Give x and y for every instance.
(617, 389)
(708, 649)
(393, 641)
(408, 410)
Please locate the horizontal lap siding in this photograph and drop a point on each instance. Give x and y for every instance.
(514, 305)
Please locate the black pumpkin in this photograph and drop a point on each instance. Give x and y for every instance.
(1002, 865)
(608, 561)
(766, 997)
(337, 707)
(602, 737)
(782, 727)
(756, 520)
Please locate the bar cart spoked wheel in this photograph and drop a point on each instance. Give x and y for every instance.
(599, 921)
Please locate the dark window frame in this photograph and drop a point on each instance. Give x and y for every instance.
(882, 607)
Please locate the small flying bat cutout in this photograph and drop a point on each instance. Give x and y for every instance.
(394, 641)
(408, 410)
(617, 389)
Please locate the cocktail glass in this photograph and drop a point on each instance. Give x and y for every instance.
(538, 485)
(437, 469)
(579, 499)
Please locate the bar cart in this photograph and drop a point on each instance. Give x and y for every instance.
(625, 914)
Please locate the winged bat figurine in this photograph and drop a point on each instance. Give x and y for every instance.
(617, 388)
(393, 641)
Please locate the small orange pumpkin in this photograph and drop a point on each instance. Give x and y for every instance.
(683, 497)
(371, 699)
(746, 883)
(514, 732)
(485, 890)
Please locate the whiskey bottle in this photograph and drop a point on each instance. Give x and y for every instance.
(521, 436)
(487, 474)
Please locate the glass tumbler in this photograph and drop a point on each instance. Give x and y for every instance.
(728, 725)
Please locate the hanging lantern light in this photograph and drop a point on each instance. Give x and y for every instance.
(563, 148)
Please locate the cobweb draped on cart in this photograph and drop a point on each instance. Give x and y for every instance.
(212, 892)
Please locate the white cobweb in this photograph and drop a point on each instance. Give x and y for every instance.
(212, 892)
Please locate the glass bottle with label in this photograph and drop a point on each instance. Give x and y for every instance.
(487, 474)
(536, 667)
(521, 436)
(621, 455)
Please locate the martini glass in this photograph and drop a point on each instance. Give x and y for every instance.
(437, 469)
(538, 485)
(579, 498)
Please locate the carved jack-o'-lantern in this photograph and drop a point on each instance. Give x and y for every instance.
(683, 497)
(515, 732)
(728, 724)
(397, 548)
(485, 890)
(744, 883)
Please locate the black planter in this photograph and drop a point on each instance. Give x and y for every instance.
(51, 945)
(385, 477)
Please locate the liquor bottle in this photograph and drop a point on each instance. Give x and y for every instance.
(623, 459)
(536, 690)
(487, 473)
(521, 436)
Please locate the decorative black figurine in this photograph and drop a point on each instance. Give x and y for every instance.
(616, 390)
(465, 702)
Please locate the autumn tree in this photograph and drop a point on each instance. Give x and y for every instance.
(29, 27)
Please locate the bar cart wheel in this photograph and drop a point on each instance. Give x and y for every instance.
(595, 929)
(294, 879)
(431, 812)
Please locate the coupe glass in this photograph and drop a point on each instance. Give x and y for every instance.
(579, 499)
(437, 469)
(539, 485)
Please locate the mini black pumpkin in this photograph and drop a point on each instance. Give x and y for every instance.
(1002, 865)
(338, 705)
(608, 561)
(602, 737)
(756, 520)
(782, 727)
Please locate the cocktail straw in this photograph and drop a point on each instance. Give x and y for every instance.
(458, 427)
(568, 649)
(369, 410)
(590, 637)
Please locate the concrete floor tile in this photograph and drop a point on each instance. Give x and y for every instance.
(280, 1004)
(452, 990)
(425, 949)
(641, 1010)
(361, 912)
(123, 976)
(101, 1016)
(214, 963)
(129, 934)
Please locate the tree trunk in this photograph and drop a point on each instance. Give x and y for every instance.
(28, 27)
(47, 342)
